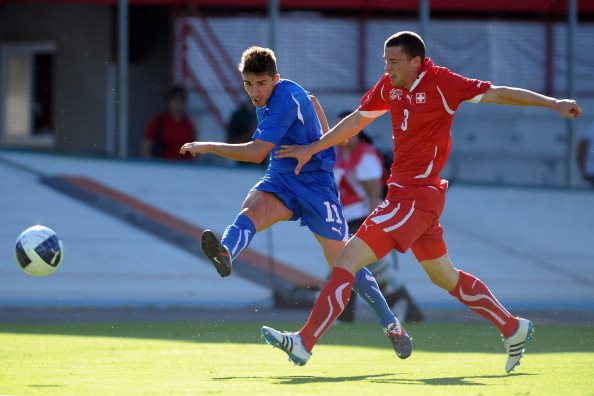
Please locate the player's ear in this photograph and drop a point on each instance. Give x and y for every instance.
(276, 78)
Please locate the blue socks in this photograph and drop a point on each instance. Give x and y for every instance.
(367, 287)
(238, 235)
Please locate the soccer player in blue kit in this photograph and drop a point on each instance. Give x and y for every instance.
(287, 115)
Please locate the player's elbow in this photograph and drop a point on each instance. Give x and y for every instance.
(259, 150)
(259, 156)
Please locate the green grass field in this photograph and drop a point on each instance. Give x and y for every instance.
(210, 358)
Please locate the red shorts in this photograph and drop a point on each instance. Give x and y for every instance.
(408, 218)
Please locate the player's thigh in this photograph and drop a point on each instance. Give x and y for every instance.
(264, 209)
(441, 271)
(355, 255)
(330, 247)
(395, 224)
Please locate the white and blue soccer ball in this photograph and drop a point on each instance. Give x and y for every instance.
(39, 251)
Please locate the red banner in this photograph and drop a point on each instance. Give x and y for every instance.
(481, 7)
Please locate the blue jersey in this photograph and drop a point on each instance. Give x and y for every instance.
(290, 118)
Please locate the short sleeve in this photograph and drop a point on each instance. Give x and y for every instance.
(277, 120)
(456, 89)
(373, 104)
(369, 168)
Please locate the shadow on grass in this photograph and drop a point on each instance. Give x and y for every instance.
(431, 337)
(386, 378)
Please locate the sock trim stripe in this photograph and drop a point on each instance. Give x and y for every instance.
(338, 295)
(246, 236)
(493, 314)
(471, 298)
(319, 330)
(236, 246)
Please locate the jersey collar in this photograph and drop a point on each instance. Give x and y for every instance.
(426, 67)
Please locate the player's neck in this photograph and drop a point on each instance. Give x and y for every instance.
(411, 81)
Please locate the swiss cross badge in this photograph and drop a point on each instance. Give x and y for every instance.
(395, 94)
(420, 97)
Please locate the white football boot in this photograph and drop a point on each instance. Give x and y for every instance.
(514, 345)
(288, 342)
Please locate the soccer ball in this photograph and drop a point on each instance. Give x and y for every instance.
(39, 251)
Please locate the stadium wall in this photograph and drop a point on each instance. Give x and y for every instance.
(525, 146)
(85, 71)
(81, 36)
(492, 144)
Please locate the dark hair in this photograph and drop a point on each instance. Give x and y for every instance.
(344, 114)
(175, 92)
(258, 60)
(411, 43)
(365, 137)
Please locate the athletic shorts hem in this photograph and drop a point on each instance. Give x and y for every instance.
(429, 251)
(379, 241)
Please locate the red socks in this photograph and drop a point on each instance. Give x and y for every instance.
(473, 293)
(328, 306)
(334, 296)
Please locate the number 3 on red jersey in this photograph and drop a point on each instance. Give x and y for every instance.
(404, 125)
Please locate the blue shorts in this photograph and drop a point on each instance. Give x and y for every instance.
(312, 197)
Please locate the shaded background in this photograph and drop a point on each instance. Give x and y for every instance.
(517, 215)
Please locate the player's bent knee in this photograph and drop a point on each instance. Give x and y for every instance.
(442, 282)
(441, 272)
(355, 255)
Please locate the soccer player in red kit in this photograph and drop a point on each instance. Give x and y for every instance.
(421, 98)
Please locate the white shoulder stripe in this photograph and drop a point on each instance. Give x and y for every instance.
(476, 99)
(372, 114)
(299, 115)
(445, 104)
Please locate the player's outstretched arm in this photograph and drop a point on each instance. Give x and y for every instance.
(347, 127)
(523, 97)
(254, 151)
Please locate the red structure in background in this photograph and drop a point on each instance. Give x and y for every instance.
(508, 7)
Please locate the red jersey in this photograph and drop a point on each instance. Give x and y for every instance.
(350, 169)
(421, 120)
(174, 134)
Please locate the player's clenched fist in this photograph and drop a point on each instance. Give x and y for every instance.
(194, 148)
(568, 108)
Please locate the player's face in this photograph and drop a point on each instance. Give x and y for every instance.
(176, 106)
(401, 70)
(259, 87)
